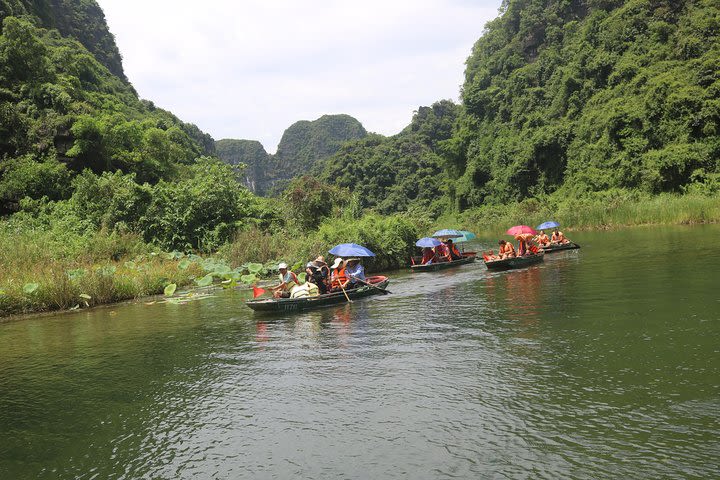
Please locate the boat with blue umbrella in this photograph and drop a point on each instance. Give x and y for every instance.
(554, 246)
(372, 285)
(434, 265)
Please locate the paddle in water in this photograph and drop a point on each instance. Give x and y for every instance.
(384, 292)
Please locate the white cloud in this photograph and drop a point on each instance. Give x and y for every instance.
(249, 69)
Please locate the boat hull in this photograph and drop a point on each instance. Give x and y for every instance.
(515, 262)
(563, 246)
(443, 265)
(299, 304)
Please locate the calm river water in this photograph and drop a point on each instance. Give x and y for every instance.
(600, 363)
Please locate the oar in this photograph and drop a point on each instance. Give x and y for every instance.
(343, 289)
(384, 292)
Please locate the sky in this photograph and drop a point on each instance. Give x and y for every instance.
(248, 69)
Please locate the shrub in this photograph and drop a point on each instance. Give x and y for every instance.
(200, 212)
(25, 177)
(111, 200)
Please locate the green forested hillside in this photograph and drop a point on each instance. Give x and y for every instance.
(252, 155)
(82, 20)
(62, 111)
(303, 148)
(590, 95)
(401, 172)
(305, 142)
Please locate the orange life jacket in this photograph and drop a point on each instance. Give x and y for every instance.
(339, 277)
(507, 248)
(427, 256)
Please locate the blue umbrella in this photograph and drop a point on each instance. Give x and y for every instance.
(351, 250)
(547, 225)
(428, 242)
(466, 236)
(447, 233)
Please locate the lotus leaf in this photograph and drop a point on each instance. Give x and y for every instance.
(205, 281)
(170, 289)
(248, 279)
(30, 288)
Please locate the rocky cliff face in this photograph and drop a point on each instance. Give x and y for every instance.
(250, 153)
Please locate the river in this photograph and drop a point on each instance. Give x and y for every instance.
(602, 362)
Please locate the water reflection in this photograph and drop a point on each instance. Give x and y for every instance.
(517, 293)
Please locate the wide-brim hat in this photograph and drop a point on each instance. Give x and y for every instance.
(282, 265)
(337, 262)
(352, 260)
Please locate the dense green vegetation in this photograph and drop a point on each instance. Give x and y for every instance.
(586, 96)
(399, 173)
(62, 112)
(82, 20)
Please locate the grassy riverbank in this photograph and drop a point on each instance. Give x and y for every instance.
(40, 271)
(608, 210)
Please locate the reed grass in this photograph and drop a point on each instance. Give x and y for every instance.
(86, 271)
(607, 212)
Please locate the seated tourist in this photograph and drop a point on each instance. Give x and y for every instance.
(315, 274)
(506, 250)
(558, 237)
(338, 279)
(429, 256)
(452, 250)
(490, 256)
(542, 239)
(287, 280)
(442, 252)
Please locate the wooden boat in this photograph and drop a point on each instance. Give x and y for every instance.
(515, 262)
(468, 257)
(556, 247)
(378, 285)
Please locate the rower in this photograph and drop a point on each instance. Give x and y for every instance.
(429, 256)
(355, 272)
